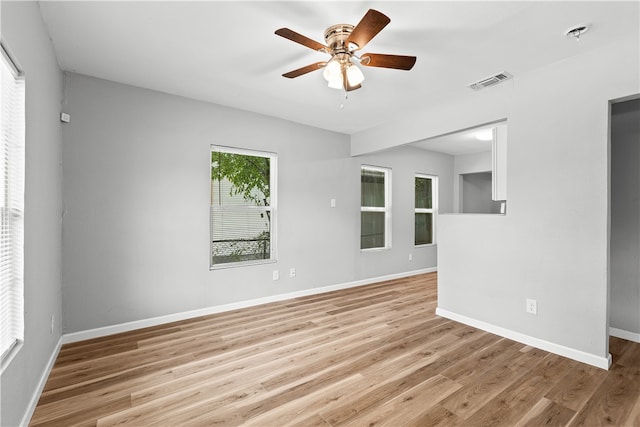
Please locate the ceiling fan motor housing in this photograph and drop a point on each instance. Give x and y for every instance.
(336, 36)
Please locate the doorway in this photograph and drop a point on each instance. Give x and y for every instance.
(624, 235)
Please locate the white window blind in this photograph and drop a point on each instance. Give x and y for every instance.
(12, 127)
(243, 207)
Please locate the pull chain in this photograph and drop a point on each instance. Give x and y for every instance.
(346, 97)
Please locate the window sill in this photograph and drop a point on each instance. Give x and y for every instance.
(472, 214)
(375, 249)
(6, 360)
(242, 264)
(426, 245)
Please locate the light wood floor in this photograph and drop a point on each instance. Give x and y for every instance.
(367, 356)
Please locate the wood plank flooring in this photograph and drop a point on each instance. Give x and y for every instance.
(367, 356)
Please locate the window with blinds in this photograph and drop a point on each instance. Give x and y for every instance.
(243, 185)
(12, 128)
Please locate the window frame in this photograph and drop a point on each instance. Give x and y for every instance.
(433, 210)
(272, 208)
(386, 209)
(13, 145)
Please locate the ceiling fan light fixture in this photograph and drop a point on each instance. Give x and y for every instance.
(333, 74)
(335, 83)
(354, 75)
(332, 71)
(343, 40)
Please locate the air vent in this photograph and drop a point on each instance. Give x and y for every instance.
(490, 81)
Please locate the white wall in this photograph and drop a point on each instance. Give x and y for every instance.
(552, 245)
(25, 36)
(625, 217)
(136, 199)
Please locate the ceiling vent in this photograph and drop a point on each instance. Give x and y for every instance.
(490, 81)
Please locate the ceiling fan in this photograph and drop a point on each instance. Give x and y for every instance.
(343, 40)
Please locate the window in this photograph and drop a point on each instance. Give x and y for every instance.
(243, 207)
(425, 209)
(375, 208)
(12, 128)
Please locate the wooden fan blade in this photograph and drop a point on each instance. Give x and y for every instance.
(300, 39)
(371, 24)
(398, 62)
(304, 70)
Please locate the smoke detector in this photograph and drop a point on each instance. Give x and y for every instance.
(576, 31)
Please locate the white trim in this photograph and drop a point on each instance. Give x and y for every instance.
(43, 380)
(154, 321)
(242, 151)
(580, 356)
(8, 356)
(15, 69)
(625, 335)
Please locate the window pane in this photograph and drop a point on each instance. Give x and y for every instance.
(239, 179)
(240, 235)
(423, 193)
(243, 206)
(424, 228)
(372, 188)
(372, 230)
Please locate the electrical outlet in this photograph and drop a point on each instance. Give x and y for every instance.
(276, 275)
(52, 324)
(292, 272)
(410, 257)
(532, 306)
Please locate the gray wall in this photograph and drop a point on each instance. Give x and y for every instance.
(136, 198)
(476, 193)
(625, 216)
(552, 244)
(26, 37)
(405, 162)
(464, 164)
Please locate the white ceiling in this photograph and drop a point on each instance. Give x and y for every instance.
(459, 143)
(227, 52)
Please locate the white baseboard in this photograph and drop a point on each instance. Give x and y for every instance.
(580, 356)
(43, 380)
(625, 335)
(154, 321)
